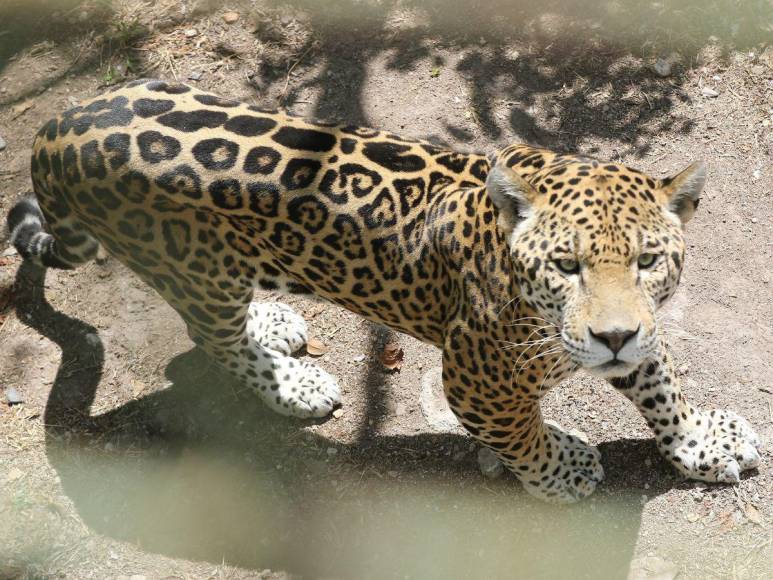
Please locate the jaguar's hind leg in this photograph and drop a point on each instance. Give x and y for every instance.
(224, 322)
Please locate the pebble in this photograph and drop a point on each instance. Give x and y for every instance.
(338, 413)
(433, 403)
(191, 32)
(756, 174)
(13, 396)
(195, 75)
(709, 92)
(662, 67)
(3, 144)
(651, 568)
(231, 17)
(755, 220)
(489, 464)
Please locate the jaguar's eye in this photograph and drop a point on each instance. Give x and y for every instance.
(647, 260)
(567, 265)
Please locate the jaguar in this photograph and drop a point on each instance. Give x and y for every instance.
(522, 267)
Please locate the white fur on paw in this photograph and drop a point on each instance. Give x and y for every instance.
(299, 389)
(571, 473)
(718, 449)
(277, 327)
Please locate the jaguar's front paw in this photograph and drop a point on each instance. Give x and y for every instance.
(569, 471)
(718, 447)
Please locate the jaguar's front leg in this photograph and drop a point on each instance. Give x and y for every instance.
(706, 445)
(501, 409)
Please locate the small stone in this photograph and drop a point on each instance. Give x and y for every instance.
(332, 451)
(13, 397)
(13, 474)
(710, 93)
(3, 144)
(754, 220)
(756, 174)
(692, 517)
(359, 358)
(195, 75)
(489, 464)
(191, 32)
(662, 67)
(338, 413)
(652, 568)
(716, 78)
(231, 17)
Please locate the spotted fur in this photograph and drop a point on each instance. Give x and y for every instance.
(521, 272)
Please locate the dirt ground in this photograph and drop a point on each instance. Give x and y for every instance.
(132, 456)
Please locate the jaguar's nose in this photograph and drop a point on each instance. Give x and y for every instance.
(614, 339)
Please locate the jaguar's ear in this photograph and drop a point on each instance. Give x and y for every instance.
(683, 191)
(512, 195)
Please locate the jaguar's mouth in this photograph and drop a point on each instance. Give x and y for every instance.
(612, 369)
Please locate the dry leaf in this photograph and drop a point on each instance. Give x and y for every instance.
(392, 357)
(726, 522)
(316, 347)
(21, 108)
(752, 514)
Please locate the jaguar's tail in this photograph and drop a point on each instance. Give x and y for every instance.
(27, 229)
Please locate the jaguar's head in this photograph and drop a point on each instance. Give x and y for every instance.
(596, 247)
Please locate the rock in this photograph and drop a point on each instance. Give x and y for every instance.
(338, 413)
(191, 32)
(195, 75)
(231, 17)
(13, 474)
(3, 144)
(489, 464)
(13, 397)
(755, 220)
(710, 93)
(756, 174)
(433, 403)
(662, 67)
(652, 568)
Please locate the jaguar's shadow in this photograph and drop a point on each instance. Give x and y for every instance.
(199, 472)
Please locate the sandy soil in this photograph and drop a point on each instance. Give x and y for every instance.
(132, 455)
